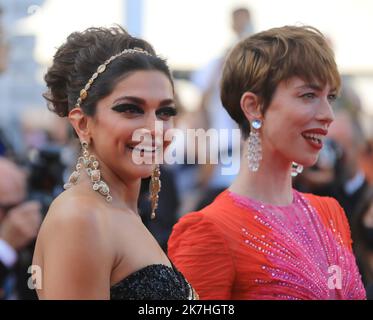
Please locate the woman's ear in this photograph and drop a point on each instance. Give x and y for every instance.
(250, 106)
(80, 123)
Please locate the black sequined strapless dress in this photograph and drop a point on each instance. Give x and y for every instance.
(153, 282)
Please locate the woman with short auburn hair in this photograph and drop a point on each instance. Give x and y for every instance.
(260, 238)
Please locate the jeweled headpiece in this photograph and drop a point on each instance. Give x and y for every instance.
(84, 92)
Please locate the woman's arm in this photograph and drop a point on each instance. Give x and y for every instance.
(198, 250)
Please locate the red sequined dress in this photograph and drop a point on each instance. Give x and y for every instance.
(239, 248)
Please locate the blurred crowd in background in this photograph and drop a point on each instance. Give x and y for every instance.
(38, 150)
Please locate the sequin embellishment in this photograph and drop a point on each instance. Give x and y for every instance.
(300, 251)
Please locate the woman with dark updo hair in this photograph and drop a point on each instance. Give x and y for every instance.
(92, 244)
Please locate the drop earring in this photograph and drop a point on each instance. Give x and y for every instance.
(90, 163)
(296, 169)
(254, 155)
(154, 188)
(73, 179)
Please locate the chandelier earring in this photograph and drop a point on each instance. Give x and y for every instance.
(154, 188)
(91, 164)
(254, 155)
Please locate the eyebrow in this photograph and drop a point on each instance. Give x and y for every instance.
(143, 101)
(314, 86)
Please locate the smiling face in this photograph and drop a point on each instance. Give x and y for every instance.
(297, 120)
(136, 103)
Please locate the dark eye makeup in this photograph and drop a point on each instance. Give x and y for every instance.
(166, 111)
(128, 108)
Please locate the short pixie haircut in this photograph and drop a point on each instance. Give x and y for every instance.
(259, 63)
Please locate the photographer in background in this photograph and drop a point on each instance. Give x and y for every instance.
(19, 224)
(352, 183)
(323, 177)
(362, 228)
(46, 168)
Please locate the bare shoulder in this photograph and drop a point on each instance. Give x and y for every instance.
(75, 217)
(76, 211)
(74, 250)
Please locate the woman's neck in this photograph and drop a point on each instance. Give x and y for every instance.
(271, 184)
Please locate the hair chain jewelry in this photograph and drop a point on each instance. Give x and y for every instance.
(101, 68)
